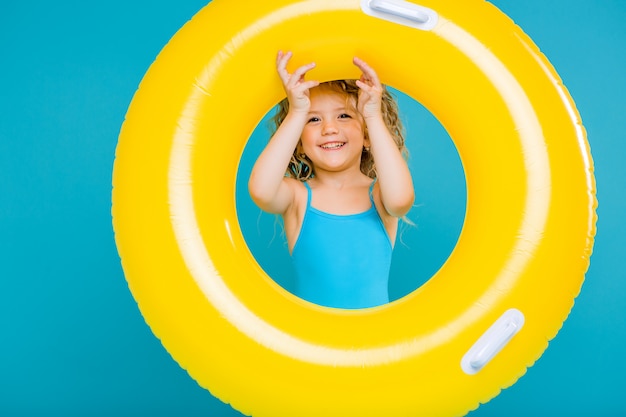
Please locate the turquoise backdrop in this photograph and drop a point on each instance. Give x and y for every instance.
(73, 342)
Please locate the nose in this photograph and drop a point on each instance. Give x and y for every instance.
(329, 128)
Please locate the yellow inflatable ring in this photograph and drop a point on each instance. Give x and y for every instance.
(473, 328)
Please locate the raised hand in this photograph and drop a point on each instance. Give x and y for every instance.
(371, 90)
(296, 87)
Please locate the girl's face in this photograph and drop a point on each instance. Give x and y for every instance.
(333, 137)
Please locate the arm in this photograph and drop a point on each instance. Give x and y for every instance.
(394, 177)
(267, 185)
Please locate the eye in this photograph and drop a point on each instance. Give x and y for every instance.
(314, 120)
(345, 116)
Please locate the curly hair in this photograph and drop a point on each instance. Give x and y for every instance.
(301, 167)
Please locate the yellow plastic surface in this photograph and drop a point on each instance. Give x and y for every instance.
(525, 244)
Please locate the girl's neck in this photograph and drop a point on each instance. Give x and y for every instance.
(339, 180)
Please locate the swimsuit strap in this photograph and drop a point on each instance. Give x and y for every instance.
(371, 193)
(308, 196)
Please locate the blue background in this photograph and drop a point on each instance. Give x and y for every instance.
(73, 342)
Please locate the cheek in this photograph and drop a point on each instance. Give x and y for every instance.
(308, 136)
(359, 130)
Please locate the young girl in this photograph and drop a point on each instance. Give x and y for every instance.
(334, 170)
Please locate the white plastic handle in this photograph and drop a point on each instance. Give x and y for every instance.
(492, 341)
(401, 12)
(400, 9)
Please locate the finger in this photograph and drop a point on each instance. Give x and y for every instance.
(300, 72)
(366, 86)
(368, 72)
(283, 57)
(362, 65)
(281, 65)
(307, 85)
(363, 85)
(303, 89)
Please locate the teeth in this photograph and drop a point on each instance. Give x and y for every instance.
(333, 145)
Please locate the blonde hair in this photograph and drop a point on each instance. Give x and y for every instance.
(301, 167)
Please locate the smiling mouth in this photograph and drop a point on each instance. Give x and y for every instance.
(332, 145)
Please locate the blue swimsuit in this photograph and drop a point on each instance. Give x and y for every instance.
(342, 261)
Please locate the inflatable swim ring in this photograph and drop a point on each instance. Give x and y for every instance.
(473, 328)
